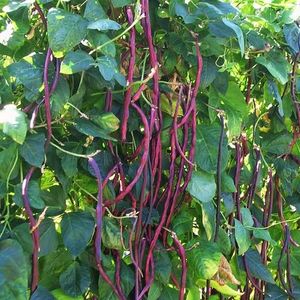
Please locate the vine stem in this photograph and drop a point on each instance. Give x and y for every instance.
(252, 187)
(219, 179)
(35, 233)
(175, 129)
(143, 162)
(47, 98)
(42, 16)
(249, 82)
(32, 222)
(293, 87)
(98, 234)
(182, 255)
(127, 98)
(266, 219)
(165, 208)
(153, 62)
(197, 82)
(37, 105)
(73, 153)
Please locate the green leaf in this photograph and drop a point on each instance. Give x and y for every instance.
(277, 143)
(127, 276)
(242, 237)
(273, 292)
(214, 99)
(292, 33)
(182, 11)
(255, 40)
(16, 4)
(108, 67)
(76, 61)
(111, 234)
(296, 148)
(21, 233)
(121, 3)
(247, 217)
(275, 92)
(59, 294)
(120, 78)
(34, 195)
(94, 11)
(183, 222)
(193, 293)
(155, 290)
(276, 64)
(127, 282)
(54, 197)
(107, 121)
(262, 234)
(209, 10)
(88, 128)
(7, 159)
(13, 271)
(77, 229)
(48, 237)
(209, 219)
(104, 24)
(65, 31)
(209, 72)
(238, 33)
(227, 183)
(41, 293)
(13, 123)
(169, 293)
(204, 260)
(2, 189)
(60, 96)
(104, 289)
(202, 186)
(235, 108)
(68, 162)
(32, 149)
(97, 39)
(29, 72)
(163, 266)
(207, 148)
(52, 265)
(224, 242)
(218, 29)
(256, 267)
(75, 280)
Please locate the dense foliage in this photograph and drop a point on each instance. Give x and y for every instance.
(149, 149)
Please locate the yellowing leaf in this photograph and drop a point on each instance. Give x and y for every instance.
(264, 129)
(168, 106)
(224, 273)
(225, 289)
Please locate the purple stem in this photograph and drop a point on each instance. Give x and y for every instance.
(42, 16)
(47, 98)
(197, 83)
(153, 62)
(35, 232)
(127, 99)
(53, 87)
(98, 233)
(143, 162)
